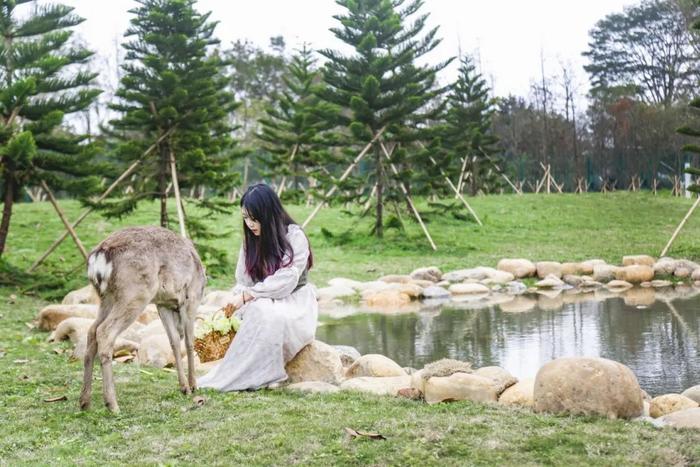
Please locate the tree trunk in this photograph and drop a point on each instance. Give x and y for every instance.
(163, 183)
(379, 221)
(8, 199)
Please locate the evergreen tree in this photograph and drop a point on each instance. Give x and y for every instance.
(294, 127)
(691, 131)
(39, 85)
(469, 139)
(380, 86)
(173, 84)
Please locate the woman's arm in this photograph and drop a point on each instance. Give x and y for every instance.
(284, 280)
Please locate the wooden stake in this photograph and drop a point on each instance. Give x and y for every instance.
(178, 199)
(55, 205)
(342, 177)
(280, 188)
(408, 198)
(680, 226)
(462, 173)
(457, 193)
(109, 190)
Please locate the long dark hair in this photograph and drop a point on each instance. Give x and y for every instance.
(264, 254)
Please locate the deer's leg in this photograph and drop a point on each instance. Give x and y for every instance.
(121, 317)
(91, 351)
(187, 315)
(167, 316)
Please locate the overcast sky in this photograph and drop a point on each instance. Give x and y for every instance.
(507, 35)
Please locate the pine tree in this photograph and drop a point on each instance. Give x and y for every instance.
(688, 130)
(294, 127)
(173, 84)
(468, 136)
(39, 85)
(380, 86)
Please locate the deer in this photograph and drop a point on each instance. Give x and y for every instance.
(129, 269)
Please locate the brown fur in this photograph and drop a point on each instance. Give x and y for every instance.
(146, 265)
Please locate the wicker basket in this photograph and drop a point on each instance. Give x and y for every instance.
(214, 345)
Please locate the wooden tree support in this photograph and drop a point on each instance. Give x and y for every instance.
(178, 199)
(654, 185)
(677, 189)
(680, 226)
(581, 186)
(59, 211)
(104, 195)
(635, 183)
(408, 197)
(342, 177)
(457, 193)
(462, 174)
(505, 177)
(280, 188)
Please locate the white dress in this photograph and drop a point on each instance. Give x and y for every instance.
(274, 327)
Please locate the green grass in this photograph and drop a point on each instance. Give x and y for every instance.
(159, 425)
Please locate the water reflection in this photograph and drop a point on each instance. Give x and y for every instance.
(661, 344)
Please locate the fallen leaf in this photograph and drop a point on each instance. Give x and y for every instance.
(169, 370)
(29, 325)
(367, 434)
(145, 372)
(199, 400)
(21, 361)
(122, 352)
(59, 350)
(56, 399)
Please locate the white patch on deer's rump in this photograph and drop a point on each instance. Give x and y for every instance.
(99, 270)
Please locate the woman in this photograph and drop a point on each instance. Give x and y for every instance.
(277, 307)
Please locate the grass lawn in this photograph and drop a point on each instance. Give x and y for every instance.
(159, 425)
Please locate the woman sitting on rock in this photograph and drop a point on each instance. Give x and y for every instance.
(277, 307)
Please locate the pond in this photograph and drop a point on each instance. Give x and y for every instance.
(660, 341)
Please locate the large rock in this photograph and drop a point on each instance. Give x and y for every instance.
(618, 286)
(155, 350)
(76, 329)
(688, 418)
(546, 268)
(86, 295)
(317, 361)
(635, 274)
(669, 403)
(386, 298)
(431, 273)
(458, 387)
(499, 376)
(330, 293)
(587, 267)
(468, 289)
(573, 269)
(396, 279)
(643, 260)
(521, 394)
(348, 354)
(665, 266)
(435, 292)
(374, 365)
(693, 393)
(604, 272)
(550, 282)
(342, 281)
(518, 267)
(50, 316)
(314, 387)
(587, 385)
(388, 385)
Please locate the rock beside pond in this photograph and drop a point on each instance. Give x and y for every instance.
(386, 298)
(587, 385)
(639, 297)
(388, 385)
(643, 260)
(659, 284)
(435, 292)
(155, 350)
(86, 295)
(695, 275)
(519, 304)
(445, 367)
(314, 387)
(635, 274)
(573, 280)
(688, 418)
(604, 272)
(547, 268)
(669, 403)
(588, 266)
(518, 267)
(458, 387)
(521, 394)
(374, 365)
(330, 293)
(463, 289)
(682, 273)
(396, 279)
(618, 285)
(499, 376)
(570, 269)
(344, 282)
(693, 393)
(550, 282)
(317, 361)
(515, 288)
(348, 354)
(431, 273)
